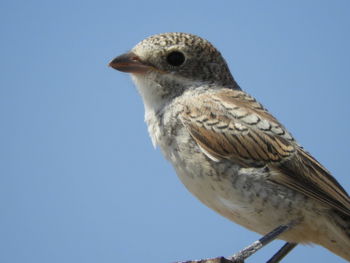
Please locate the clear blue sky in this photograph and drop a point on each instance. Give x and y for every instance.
(79, 178)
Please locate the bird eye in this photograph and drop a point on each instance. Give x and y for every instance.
(175, 58)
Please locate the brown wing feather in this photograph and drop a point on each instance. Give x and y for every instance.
(231, 125)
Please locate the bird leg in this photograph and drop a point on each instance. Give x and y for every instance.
(254, 247)
(287, 247)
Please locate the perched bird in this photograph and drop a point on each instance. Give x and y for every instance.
(228, 150)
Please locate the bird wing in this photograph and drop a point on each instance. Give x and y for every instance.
(231, 125)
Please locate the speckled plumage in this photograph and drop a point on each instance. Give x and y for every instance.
(228, 150)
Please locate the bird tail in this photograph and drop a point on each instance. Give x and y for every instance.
(337, 239)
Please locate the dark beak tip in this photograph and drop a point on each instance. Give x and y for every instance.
(111, 64)
(115, 62)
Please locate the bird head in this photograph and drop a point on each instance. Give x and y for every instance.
(163, 66)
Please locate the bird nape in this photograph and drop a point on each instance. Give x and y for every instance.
(230, 152)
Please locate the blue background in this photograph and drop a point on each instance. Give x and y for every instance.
(79, 178)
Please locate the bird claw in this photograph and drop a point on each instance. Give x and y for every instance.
(214, 260)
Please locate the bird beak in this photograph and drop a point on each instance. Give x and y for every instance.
(130, 63)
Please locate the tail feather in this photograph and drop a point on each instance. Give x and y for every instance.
(337, 239)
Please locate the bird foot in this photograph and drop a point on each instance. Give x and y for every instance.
(214, 260)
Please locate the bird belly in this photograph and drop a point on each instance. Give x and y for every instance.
(239, 197)
(246, 197)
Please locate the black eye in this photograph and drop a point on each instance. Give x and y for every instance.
(175, 58)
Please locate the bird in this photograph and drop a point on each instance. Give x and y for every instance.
(228, 150)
